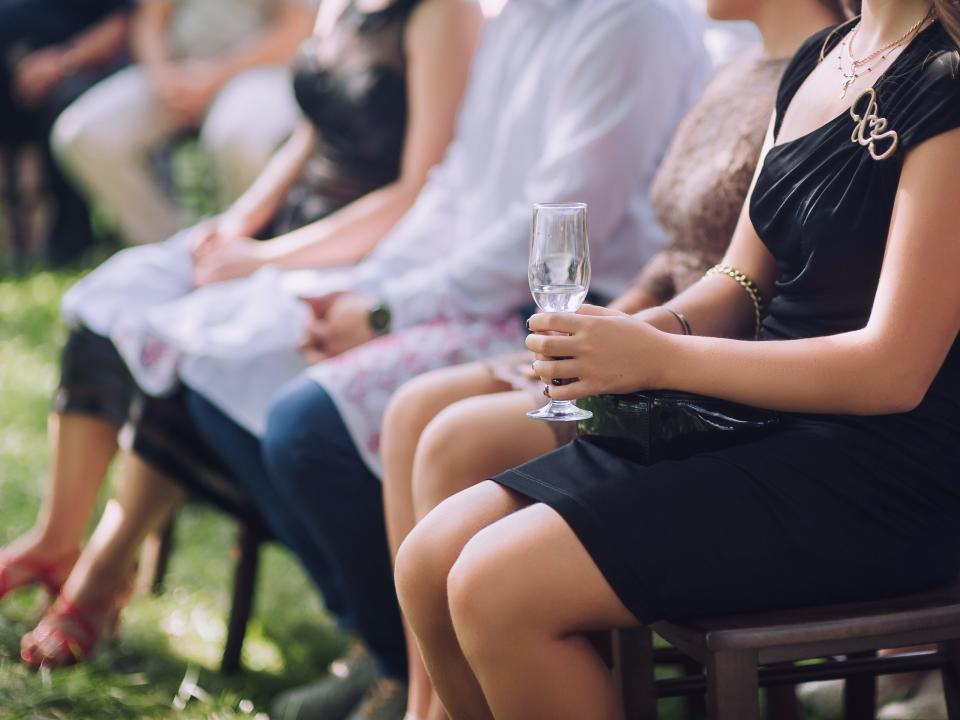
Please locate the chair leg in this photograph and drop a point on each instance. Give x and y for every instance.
(695, 706)
(860, 693)
(12, 203)
(155, 558)
(782, 703)
(633, 671)
(244, 584)
(951, 678)
(732, 685)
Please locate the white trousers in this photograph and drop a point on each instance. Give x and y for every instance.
(104, 140)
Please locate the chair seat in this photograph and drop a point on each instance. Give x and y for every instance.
(822, 630)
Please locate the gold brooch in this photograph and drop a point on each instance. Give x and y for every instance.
(871, 129)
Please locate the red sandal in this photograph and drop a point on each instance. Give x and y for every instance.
(51, 574)
(70, 634)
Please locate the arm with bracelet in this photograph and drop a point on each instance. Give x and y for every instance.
(885, 367)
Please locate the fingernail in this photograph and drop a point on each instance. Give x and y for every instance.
(546, 391)
(527, 323)
(556, 382)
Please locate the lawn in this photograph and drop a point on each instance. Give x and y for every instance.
(166, 638)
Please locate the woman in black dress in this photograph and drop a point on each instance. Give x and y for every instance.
(851, 230)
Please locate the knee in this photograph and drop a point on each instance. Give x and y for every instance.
(72, 139)
(83, 138)
(484, 618)
(409, 411)
(443, 458)
(423, 563)
(289, 423)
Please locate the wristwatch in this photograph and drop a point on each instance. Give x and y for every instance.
(380, 318)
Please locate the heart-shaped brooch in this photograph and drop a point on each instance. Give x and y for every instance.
(871, 130)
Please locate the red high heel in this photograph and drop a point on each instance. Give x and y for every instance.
(51, 574)
(70, 634)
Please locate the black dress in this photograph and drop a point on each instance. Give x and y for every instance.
(828, 508)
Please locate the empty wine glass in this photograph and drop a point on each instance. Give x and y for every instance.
(559, 274)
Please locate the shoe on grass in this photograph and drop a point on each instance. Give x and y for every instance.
(386, 700)
(334, 697)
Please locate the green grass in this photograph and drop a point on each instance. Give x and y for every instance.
(164, 638)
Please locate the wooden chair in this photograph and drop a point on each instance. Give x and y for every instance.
(742, 654)
(19, 203)
(155, 560)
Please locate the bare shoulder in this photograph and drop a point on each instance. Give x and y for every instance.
(460, 17)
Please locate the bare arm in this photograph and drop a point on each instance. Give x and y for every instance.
(441, 38)
(148, 40)
(38, 73)
(251, 212)
(275, 45)
(886, 367)
(99, 45)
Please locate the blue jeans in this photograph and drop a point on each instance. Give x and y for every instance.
(317, 496)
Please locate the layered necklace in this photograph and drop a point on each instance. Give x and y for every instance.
(852, 68)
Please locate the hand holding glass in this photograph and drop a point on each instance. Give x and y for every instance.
(559, 274)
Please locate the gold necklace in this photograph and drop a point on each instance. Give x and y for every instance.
(854, 74)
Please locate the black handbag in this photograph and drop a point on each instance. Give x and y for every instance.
(669, 425)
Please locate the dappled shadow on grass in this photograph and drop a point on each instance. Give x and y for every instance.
(166, 638)
(291, 639)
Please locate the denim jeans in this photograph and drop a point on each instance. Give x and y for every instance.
(319, 498)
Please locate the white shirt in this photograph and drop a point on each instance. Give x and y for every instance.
(569, 100)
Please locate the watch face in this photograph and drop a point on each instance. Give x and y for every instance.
(380, 319)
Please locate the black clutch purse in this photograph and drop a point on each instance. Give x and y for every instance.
(667, 425)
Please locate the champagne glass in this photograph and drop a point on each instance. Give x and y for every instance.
(559, 274)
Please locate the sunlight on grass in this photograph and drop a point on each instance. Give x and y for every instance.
(163, 639)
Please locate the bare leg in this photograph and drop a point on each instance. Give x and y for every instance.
(473, 440)
(456, 445)
(411, 409)
(143, 499)
(423, 564)
(81, 449)
(522, 593)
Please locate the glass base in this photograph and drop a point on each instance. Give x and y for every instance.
(560, 411)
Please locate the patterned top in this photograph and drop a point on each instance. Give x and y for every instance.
(703, 181)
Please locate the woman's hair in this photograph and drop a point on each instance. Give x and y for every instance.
(837, 7)
(947, 11)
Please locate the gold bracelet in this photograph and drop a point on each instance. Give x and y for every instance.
(748, 285)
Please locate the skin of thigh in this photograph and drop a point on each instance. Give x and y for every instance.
(409, 412)
(521, 595)
(473, 440)
(530, 571)
(422, 566)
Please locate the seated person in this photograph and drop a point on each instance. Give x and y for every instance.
(850, 496)
(447, 275)
(338, 184)
(453, 428)
(210, 66)
(51, 51)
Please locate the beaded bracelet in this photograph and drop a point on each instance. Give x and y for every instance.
(750, 287)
